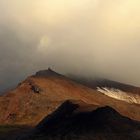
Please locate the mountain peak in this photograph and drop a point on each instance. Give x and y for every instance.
(46, 73)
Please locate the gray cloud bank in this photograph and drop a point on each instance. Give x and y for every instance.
(87, 37)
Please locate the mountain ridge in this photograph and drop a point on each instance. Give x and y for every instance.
(45, 92)
(39, 95)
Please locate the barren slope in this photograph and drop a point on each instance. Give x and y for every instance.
(41, 94)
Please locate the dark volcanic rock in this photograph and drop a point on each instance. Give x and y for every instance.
(36, 89)
(101, 124)
(46, 73)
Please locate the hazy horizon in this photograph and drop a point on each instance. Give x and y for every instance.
(81, 37)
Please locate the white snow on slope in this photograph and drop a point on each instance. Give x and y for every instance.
(120, 95)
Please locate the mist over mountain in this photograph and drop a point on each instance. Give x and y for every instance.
(83, 37)
(69, 69)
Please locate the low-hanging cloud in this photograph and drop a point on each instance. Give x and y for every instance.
(86, 37)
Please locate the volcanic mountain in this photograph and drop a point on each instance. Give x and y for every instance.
(41, 94)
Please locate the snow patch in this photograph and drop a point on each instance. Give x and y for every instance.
(120, 95)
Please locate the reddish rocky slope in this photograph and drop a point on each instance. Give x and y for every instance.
(40, 94)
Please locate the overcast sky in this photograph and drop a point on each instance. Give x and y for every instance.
(87, 37)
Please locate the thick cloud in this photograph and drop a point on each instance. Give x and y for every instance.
(87, 37)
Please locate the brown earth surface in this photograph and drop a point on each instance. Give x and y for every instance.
(40, 94)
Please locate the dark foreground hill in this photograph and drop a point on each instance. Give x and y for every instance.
(80, 121)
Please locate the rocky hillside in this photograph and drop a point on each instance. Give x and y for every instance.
(40, 94)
